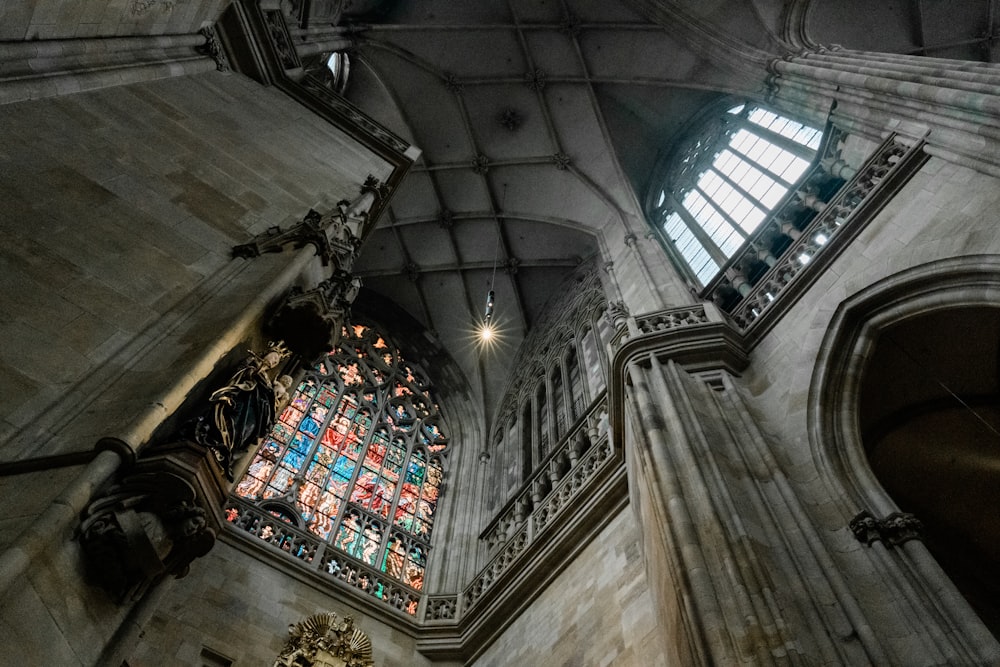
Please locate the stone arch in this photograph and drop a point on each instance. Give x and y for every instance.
(835, 399)
(851, 336)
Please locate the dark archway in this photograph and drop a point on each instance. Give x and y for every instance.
(929, 419)
(860, 393)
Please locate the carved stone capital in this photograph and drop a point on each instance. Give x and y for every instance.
(901, 527)
(893, 530)
(617, 314)
(213, 48)
(865, 528)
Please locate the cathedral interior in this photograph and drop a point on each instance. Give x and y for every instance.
(507, 332)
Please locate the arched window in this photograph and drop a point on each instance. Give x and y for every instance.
(558, 399)
(543, 421)
(721, 183)
(356, 458)
(339, 66)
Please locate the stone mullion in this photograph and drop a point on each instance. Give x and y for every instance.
(714, 251)
(781, 141)
(550, 411)
(725, 214)
(568, 408)
(584, 388)
(746, 194)
(767, 170)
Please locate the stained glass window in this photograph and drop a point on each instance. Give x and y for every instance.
(357, 457)
(725, 179)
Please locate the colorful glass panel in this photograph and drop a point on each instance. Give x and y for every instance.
(357, 452)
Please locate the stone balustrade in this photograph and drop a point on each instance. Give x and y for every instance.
(557, 466)
(317, 555)
(808, 230)
(553, 489)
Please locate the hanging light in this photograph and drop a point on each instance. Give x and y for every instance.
(486, 329)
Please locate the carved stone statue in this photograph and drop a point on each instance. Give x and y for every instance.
(323, 641)
(243, 411)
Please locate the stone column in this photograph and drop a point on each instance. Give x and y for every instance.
(331, 44)
(739, 574)
(746, 567)
(48, 68)
(956, 103)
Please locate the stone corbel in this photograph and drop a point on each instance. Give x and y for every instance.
(155, 521)
(310, 321)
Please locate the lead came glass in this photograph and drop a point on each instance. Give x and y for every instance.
(358, 452)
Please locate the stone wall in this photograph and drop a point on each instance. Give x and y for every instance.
(597, 612)
(120, 209)
(53, 19)
(945, 211)
(240, 607)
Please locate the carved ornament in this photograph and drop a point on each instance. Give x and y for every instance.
(893, 530)
(323, 641)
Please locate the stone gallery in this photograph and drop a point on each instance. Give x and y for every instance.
(529, 333)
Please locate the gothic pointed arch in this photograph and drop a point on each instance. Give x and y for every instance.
(355, 462)
(901, 402)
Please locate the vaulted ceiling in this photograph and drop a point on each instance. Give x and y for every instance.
(540, 122)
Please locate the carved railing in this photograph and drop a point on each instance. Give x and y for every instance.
(559, 482)
(808, 231)
(318, 556)
(660, 321)
(558, 465)
(441, 608)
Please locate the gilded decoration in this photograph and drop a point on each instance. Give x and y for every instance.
(324, 641)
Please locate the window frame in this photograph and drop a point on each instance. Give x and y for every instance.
(661, 192)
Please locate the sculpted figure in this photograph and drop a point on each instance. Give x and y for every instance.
(243, 411)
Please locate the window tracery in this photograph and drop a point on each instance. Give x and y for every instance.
(723, 181)
(357, 457)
